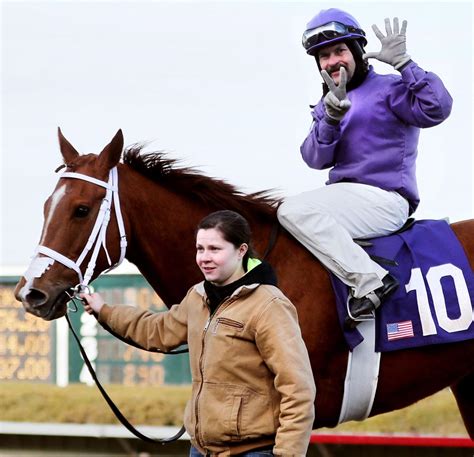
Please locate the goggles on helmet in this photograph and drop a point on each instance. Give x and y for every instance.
(329, 31)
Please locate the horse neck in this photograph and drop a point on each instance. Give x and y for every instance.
(161, 233)
(160, 228)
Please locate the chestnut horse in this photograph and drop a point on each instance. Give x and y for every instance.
(161, 205)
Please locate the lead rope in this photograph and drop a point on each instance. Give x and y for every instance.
(118, 414)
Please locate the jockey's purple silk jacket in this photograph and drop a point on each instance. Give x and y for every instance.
(376, 141)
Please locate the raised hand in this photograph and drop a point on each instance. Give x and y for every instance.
(394, 49)
(336, 102)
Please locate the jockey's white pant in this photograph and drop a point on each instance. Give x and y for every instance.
(326, 221)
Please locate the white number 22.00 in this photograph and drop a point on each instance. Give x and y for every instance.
(433, 278)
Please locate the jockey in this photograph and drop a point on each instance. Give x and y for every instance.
(365, 130)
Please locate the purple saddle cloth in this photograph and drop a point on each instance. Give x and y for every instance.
(433, 303)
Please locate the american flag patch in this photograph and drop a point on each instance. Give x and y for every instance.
(399, 330)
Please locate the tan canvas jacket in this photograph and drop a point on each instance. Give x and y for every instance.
(252, 383)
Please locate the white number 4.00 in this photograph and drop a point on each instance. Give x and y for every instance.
(433, 278)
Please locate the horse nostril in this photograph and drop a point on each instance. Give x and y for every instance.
(36, 298)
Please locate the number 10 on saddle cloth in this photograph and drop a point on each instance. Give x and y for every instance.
(433, 304)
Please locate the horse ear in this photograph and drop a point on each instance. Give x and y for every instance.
(67, 149)
(110, 155)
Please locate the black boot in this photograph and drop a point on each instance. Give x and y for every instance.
(363, 308)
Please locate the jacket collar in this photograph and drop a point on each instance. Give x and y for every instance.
(242, 290)
(259, 272)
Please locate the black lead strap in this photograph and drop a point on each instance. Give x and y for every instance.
(112, 405)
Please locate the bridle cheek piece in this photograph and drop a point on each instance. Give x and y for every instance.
(97, 238)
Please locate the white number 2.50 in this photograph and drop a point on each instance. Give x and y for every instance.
(433, 278)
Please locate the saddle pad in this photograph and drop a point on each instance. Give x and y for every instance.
(434, 301)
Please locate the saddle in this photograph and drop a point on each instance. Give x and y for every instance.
(434, 301)
(366, 243)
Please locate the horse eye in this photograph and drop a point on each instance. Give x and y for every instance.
(81, 211)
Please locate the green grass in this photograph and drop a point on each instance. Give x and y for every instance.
(436, 415)
(82, 404)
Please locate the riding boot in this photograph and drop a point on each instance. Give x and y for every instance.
(360, 309)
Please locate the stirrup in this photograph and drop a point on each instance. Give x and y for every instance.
(351, 321)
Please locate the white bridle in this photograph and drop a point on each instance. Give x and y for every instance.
(97, 238)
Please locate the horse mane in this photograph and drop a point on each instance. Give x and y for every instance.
(215, 193)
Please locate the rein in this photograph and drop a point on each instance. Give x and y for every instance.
(272, 239)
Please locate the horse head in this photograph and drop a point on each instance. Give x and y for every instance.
(73, 232)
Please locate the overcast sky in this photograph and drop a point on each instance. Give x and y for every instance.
(224, 86)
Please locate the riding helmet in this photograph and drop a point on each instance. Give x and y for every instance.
(331, 26)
